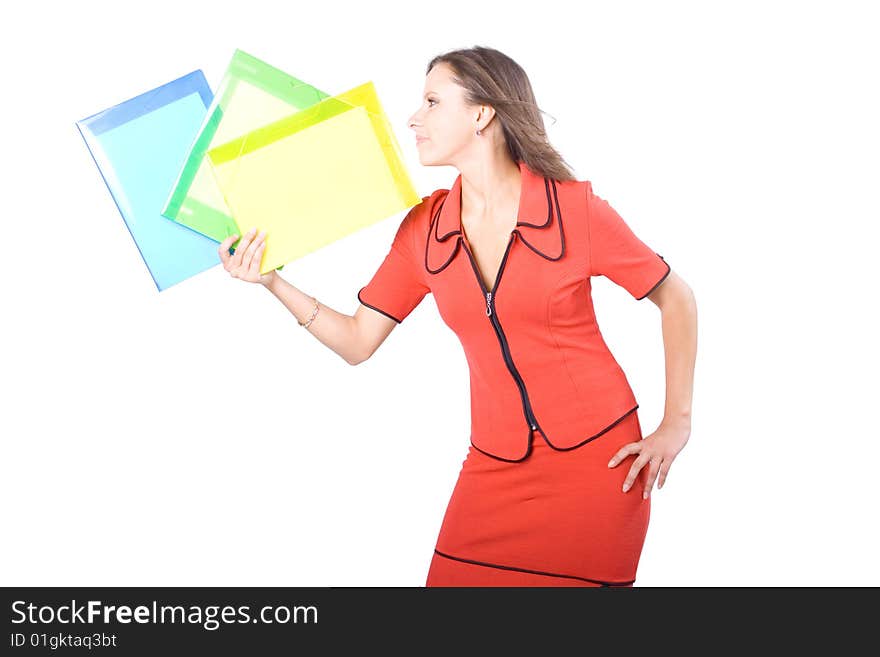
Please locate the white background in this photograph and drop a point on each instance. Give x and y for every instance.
(199, 436)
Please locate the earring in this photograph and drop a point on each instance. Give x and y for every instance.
(478, 131)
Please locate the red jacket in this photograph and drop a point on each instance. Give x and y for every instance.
(538, 362)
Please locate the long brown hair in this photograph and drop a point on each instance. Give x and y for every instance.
(489, 77)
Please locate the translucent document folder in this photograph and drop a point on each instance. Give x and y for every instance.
(139, 146)
(315, 176)
(251, 95)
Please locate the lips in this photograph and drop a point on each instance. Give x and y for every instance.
(419, 140)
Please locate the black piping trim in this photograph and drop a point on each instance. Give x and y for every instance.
(435, 226)
(501, 458)
(601, 582)
(662, 278)
(549, 208)
(583, 442)
(502, 340)
(558, 449)
(546, 223)
(437, 216)
(378, 310)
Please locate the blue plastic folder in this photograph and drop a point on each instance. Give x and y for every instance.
(139, 147)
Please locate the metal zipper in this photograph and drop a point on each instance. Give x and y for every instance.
(496, 324)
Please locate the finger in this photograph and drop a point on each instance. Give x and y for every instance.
(664, 469)
(257, 261)
(243, 244)
(223, 249)
(242, 247)
(652, 477)
(248, 258)
(623, 452)
(634, 471)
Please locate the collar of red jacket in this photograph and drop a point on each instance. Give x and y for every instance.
(538, 223)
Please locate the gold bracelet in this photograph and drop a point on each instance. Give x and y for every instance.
(312, 318)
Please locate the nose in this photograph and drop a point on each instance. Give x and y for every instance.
(411, 123)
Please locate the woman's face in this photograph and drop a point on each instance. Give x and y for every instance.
(444, 127)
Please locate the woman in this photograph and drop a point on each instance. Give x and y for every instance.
(541, 499)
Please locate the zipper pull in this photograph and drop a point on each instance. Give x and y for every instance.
(488, 304)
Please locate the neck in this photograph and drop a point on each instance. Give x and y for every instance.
(490, 187)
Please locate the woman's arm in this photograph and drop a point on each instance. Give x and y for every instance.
(355, 338)
(679, 320)
(659, 449)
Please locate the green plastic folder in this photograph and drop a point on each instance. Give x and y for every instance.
(315, 176)
(251, 94)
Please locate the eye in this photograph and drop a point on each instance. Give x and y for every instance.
(431, 100)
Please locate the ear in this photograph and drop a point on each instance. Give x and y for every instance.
(485, 116)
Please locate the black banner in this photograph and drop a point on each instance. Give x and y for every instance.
(143, 620)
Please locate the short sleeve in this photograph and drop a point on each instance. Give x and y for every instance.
(616, 252)
(398, 285)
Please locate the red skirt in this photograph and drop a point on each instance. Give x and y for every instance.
(558, 518)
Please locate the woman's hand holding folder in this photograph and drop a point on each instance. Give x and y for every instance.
(244, 262)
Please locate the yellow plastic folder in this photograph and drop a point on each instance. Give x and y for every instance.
(251, 94)
(315, 176)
